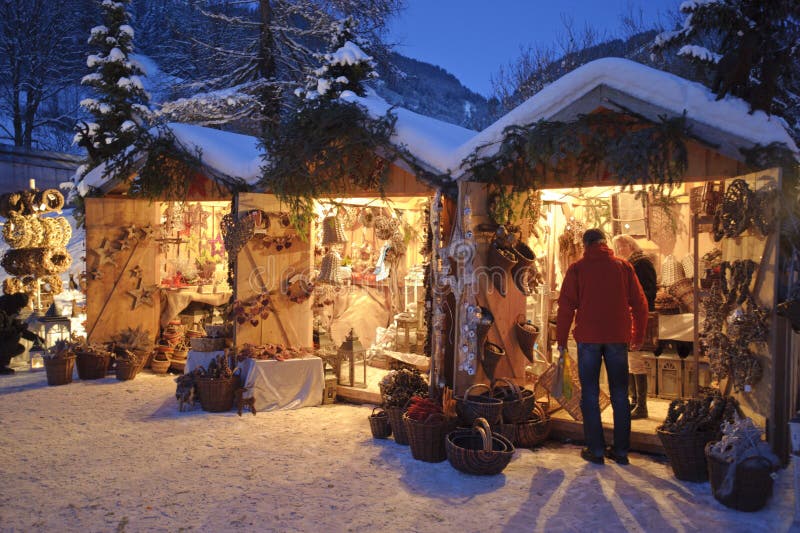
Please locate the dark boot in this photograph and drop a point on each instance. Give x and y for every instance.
(632, 390)
(640, 411)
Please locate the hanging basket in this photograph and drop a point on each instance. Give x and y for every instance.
(478, 451)
(524, 271)
(686, 452)
(426, 438)
(59, 370)
(397, 425)
(379, 424)
(535, 430)
(473, 406)
(752, 486)
(216, 394)
(527, 334)
(500, 262)
(492, 353)
(92, 365)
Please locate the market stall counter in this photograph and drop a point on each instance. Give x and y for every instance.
(275, 385)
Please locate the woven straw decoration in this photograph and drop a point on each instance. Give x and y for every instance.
(671, 271)
(332, 231)
(329, 270)
(688, 265)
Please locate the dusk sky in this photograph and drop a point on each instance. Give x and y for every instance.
(471, 39)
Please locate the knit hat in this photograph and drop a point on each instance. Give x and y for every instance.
(593, 236)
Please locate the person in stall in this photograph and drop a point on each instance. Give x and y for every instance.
(627, 248)
(602, 295)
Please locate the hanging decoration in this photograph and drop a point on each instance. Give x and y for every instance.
(253, 309)
(142, 295)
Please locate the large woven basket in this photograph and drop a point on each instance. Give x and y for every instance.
(478, 451)
(752, 486)
(379, 424)
(535, 430)
(125, 370)
(517, 403)
(159, 366)
(92, 365)
(59, 370)
(216, 394)
(395, 415)
(686, 453)
(473, 406)
(426, 438)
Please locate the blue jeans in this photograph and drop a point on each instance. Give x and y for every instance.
(590, 356)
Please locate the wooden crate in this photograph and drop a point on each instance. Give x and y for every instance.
(670, 376)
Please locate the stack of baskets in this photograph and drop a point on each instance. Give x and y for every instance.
(534, 430)
(477, 450)
(473, 406)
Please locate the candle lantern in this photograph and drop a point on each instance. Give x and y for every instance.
(37, 356)
(353, 353)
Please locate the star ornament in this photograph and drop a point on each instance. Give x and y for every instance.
(131, 233)
(147, 232)
(136, 272)
(142, 295)
(105, 253)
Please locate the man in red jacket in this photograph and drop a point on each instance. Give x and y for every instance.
(602, 294)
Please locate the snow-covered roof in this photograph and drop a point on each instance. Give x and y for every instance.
(431, 141)
(657, 92)
(228, 154)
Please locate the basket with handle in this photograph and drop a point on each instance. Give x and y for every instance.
(399, 432)
(379, 424)
(752, 485)
(159, 364)
(517, 403)
(686, 452)
(477, 450)
(59, 370)
(426, 438)
(472, 406)
(535, 429)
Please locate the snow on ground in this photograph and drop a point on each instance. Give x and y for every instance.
(107, 455)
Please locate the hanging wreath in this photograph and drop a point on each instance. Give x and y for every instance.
(236, 233)
(50, 200)
(367, 217)
(766, 202)
(36, 261)
(16, 231)
(385, 227)
(52, 284)
(11, 203)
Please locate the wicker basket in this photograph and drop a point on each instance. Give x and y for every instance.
(216, 394)
(92, 365)
(379, 424)
(509, 431)
(501, 264)
(517, 403)
(683, 291)
(535, 430)
(59, 370)
(159, 366)
(395, 415)
(178, 360)
(125, 370)
(492, 353)
(527, 334)
(426, 438)
(686, 452)
(478, 451)
(671, 271)
(471, 407)
(752, 486)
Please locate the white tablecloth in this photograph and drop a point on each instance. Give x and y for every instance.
(195, 359)
(284, 384)
(676, 327)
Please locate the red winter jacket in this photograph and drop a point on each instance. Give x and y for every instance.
(601, 292)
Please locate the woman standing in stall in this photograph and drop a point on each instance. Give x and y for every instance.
(626, 247)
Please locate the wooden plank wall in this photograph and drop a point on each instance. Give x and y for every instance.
(257, 267)
(109, 308)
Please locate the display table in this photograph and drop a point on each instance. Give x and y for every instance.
(676, 327)
(175, 301)
(284, 384)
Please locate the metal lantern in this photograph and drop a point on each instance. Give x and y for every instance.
(332, 231)
(352, 352)
(36, 353)
(329, 270)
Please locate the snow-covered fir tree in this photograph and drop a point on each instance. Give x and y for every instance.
(750, 47)
(120, 108)
(344, 68)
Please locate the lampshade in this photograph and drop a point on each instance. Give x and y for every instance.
(329, 270)
(332, 231)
